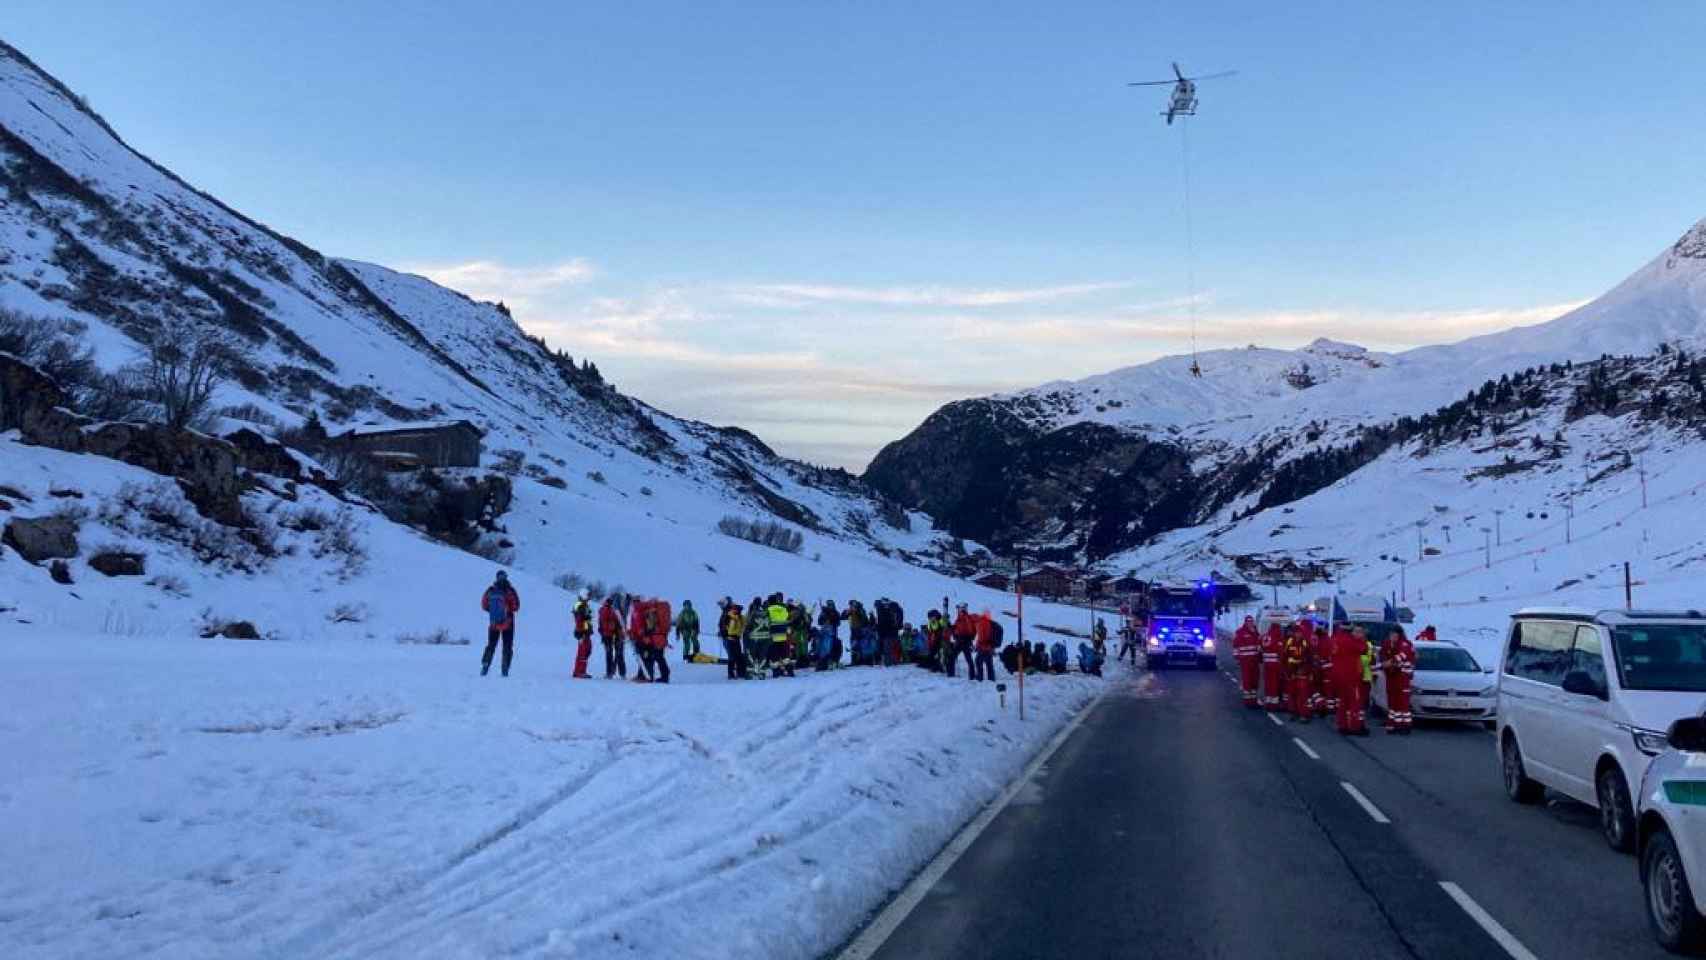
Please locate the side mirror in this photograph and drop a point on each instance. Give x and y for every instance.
(1579, 682)
(1689, 734)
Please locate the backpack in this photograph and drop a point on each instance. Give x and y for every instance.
(497, 606)
(995, 632)
(888, 616)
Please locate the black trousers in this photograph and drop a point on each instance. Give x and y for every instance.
(736, 659)
(493, 634)
(985, 664)
(615, 661)
(656, 665)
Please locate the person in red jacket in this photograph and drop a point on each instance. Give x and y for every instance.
(1320, 668)
(1398, 659)
(583, 635)
(965, 632)
(648, 626)
(610, 634)
(1273, 671)
(1299, 672)
(1247, 650)
(1349, 654)
(500, 602)
(985, 663)
(1427, 635)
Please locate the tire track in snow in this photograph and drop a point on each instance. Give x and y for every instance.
(302, 943)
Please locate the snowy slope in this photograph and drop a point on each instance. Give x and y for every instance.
(1543, 510)
(91, 230)
(1244, 393)
(340, 789)
(1221, 434)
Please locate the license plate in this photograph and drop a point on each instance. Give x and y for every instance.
(1452, 704)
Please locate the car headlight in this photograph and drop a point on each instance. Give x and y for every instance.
(1208, 643)
(1155, 641)
(1650, 742)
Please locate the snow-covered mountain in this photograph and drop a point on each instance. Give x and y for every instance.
(1096, 466)
(92, 231)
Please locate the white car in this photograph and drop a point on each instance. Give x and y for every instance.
(1671, 838)
(1448, 685)
(1585, 698)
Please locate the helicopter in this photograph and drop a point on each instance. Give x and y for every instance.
(1184, 102)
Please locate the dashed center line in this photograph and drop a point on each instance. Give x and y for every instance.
(1494, 928)
(1308, 751)
(1277, 721)
(1367, 804)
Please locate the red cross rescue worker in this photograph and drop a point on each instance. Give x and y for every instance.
(1398, 659)
(1349, 654)
(1298, 672)
(1316, 642)
(1273, 647)
(1247, 650)
(610, 634)
(1324, 661)
(583, 635)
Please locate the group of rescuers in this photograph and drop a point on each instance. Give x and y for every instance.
(775, 636)
(1312, 671)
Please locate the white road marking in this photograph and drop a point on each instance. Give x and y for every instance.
(1308, 751)
(1367, 804)
(884, 924)
(1277, 721)
(1494, 929)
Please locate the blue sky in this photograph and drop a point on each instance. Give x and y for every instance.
(823, 220)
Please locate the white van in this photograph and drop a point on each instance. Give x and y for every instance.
(1585, 698)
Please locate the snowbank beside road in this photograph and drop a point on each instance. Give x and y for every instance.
(218, 798)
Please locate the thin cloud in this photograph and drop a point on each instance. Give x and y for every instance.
(1395, 329)
(490, 280)
(791, 295)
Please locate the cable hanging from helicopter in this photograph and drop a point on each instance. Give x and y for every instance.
(1183, 103)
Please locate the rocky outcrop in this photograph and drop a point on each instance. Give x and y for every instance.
(993, 476)
(42, 538)
(210, 470)
(455, 510)
(260, 454)
(118, 563)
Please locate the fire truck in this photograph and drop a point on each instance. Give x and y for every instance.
(1180, 632)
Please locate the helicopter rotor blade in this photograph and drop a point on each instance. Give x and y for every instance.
(1215, 76)
(1153, 83)
(1177, 72)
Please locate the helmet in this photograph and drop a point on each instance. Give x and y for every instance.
(583, 593)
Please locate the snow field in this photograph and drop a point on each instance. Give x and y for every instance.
(193, 798)
(331, 791)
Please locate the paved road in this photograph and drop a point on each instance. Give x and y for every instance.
(1175, 823)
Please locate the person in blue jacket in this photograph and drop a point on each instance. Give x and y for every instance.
(1089, 660)
(1057, 657)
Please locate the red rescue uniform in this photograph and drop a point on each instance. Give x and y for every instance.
(1321, 668)
(1299, 672)
(1273, 648)
(1247, 650)
(1398, 658)
(1348, 655)
(583, 638)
